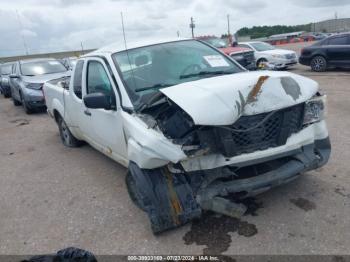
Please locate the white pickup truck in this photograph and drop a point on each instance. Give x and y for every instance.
(192, 126)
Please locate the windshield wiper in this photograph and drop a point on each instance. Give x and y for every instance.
(156, 86)
(203, 73)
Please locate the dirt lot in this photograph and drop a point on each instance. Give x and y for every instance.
(52, 197)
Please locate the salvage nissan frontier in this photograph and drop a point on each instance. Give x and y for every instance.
(193, 127)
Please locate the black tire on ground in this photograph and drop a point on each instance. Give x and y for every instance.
(67, 137)
(7, 95)
(261, 60)
(318, 64)
(16, 102)
(133, 192)
(26, 108)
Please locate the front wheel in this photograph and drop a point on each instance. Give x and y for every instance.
(134, 194)
(16, 102)
(261, 63)
(66, 136)
(318, 64)
(26, 108)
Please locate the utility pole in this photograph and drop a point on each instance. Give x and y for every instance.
(228, 25)
(192, 26)
(82, 48)
(21, 29)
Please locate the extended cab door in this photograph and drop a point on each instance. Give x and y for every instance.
(338, 50)
(103, 128)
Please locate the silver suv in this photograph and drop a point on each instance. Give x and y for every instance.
(28, 77)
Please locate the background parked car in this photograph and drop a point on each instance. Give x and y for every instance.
(333, 51)
(6, 70)
(28, 77)
(244, 56)
(266, 53)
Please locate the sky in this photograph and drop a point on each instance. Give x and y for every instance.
(62, 25)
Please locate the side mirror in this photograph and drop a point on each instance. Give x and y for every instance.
(14, 76)
(99, 101)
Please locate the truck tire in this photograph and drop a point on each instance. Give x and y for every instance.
(67, 137)
(133, 192)
(318, 64)
(168, 200)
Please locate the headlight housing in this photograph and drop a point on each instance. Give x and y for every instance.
(315, 110)
(35, 86)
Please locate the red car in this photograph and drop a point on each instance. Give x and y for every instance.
(244, 56)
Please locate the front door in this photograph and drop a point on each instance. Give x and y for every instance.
(103, 128)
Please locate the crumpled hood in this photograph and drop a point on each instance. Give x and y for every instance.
(222, 100)
(40, 79)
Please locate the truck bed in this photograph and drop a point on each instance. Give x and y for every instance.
(55, 92)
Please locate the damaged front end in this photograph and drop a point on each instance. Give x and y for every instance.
(255, 146)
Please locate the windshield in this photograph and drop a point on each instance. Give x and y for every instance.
(261, 46)
(147, 69)
(6, 69)
(217, 42)
(42, 68)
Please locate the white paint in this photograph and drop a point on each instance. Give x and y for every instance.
(212, 101)
(216, 61)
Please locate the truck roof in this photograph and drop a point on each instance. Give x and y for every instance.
(120, 46)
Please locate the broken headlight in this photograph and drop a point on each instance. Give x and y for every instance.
(315, 109)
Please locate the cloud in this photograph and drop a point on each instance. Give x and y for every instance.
(58, 25)
(321, 3)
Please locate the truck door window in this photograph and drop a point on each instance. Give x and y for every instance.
(97, 79)
(78, 73)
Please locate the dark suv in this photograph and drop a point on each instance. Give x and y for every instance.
(333, 51)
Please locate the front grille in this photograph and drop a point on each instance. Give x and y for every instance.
(290, 56)
(272, 133)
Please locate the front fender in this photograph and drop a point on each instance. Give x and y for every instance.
(148, 147)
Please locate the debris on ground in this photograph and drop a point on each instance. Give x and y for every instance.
(303, 204)
(20, 122)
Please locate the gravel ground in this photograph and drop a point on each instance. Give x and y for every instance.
(53, 197)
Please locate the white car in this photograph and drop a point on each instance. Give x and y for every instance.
(278, 58)
(191, 125)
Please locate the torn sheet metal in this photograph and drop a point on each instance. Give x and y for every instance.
(222, 100)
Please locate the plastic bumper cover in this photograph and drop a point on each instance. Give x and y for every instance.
(309, 157)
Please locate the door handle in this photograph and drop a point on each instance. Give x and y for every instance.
(87, 112)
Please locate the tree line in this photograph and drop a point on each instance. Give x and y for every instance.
(265, 31)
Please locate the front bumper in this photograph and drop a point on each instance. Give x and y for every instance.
(34, 98)
(282, 63)
(307, 158)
